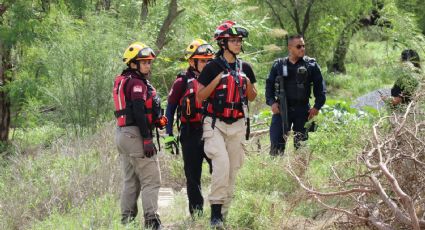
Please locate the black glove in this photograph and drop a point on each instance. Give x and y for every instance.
(149, 147)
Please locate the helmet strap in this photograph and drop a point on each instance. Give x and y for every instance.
(196, 65)
(137, 63)
(195, 70)
(226, 46)
(138, 66)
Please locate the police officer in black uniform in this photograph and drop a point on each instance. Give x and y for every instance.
(298, 73)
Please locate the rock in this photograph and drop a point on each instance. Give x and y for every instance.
(372, 99)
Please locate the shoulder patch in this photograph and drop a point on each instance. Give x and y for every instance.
(138, 89)
(275, 63)
(309, 59)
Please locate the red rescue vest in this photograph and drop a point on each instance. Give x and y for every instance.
(152, 107)
(190, 109)
(225, 100)
(123, 108)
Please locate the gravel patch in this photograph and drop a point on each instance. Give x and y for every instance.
(372, 99)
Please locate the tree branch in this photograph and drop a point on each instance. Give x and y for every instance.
(306, 21)
(276, 15)
(379, 224)
(406, 200)
(165, 28)
(296, 16)
(390, 203)
(288, 10)
(393, 194)
(339, 193)
(3, 9)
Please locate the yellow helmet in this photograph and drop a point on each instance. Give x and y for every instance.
(199, 48)
(138, 51)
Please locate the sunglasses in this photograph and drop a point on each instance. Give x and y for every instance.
(235, 40)
(300, 46)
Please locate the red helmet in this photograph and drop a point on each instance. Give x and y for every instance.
(230, 29)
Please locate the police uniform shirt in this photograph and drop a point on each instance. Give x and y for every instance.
(314, 78)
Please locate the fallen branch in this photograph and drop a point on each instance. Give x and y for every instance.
(388, 187)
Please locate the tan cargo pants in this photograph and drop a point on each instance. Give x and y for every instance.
(223, 145)
(140, 174)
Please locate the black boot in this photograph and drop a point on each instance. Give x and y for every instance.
(127, 218)
(276, 151)
(196, 212)
(216, 217)
(154, 224)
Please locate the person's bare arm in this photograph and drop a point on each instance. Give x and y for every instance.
(396, 100)
(251, 91)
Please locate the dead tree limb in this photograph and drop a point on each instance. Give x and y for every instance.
(388, 186)
(173, 13)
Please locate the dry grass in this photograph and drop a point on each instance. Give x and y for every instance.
(58, 179)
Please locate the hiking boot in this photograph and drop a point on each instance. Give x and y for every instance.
(196, 213)
(216, 217)
(154, 224)
(276, 151)
(127, 219)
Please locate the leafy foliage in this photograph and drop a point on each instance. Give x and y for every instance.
(417, 8)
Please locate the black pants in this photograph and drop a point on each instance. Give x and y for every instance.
(193, 156)
(297, 117)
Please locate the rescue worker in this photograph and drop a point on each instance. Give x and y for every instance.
(227, 83)
(406, 83)
(182, 98)
(138, 112)
(299, 73)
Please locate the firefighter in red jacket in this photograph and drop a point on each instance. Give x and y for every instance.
(138, 112)
(182, 98)
(227, 83)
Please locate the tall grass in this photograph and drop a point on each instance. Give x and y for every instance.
(370, 65)
(57, 180)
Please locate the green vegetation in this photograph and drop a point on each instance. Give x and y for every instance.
(60, 168)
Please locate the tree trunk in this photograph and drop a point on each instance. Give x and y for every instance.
(337, 64)
(144, 13)
(4, 97)
(161, 40)
(45, 5)
(103, 5)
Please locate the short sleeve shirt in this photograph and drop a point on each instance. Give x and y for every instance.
(213, 68)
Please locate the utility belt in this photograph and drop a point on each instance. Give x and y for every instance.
(297, 103)
(233, 105)
(221, 109)
(221, 106)
(129, 116)
(227, 120)
(191, 125)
